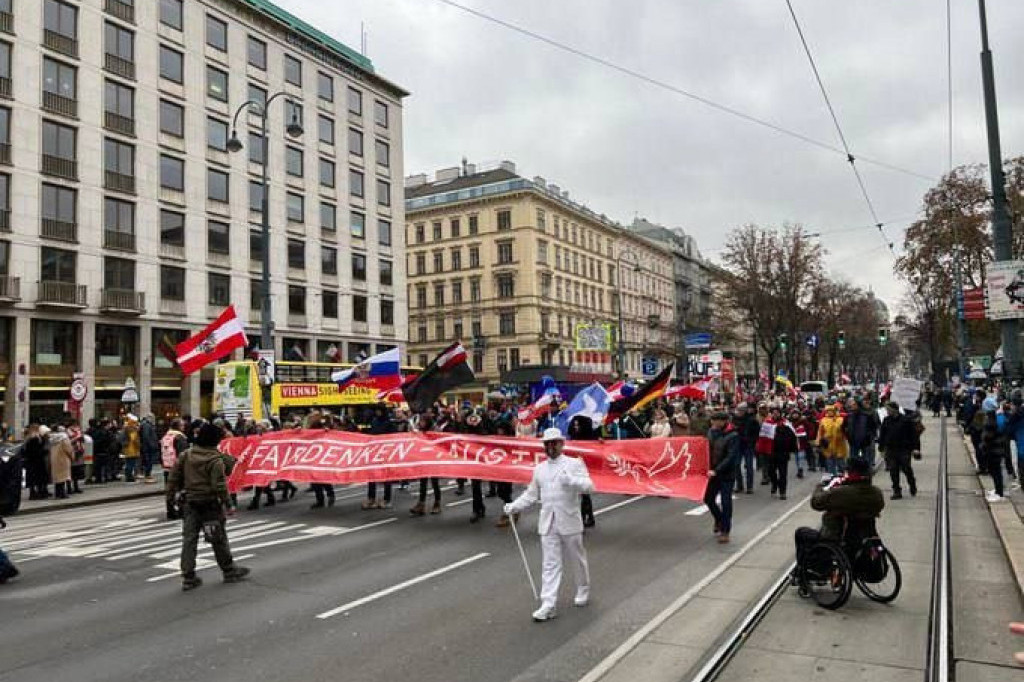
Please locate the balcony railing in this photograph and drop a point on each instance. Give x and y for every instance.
(118, 123)
(123, 301)
(172, 251)
(60, 43)
(122, 241)
(122, 10)
(60, 167)
(7, 22)
(52, 228)
(5, 220)
(10, 288)
(119, 182)
(119, 66)
(5, 153)
(59, 104)
(62, 294)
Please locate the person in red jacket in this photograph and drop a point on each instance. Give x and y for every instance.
(763, 445)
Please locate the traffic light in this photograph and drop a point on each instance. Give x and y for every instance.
(783, 341)
(842, 339)
(883, 336)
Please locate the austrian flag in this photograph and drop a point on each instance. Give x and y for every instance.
(220, 337)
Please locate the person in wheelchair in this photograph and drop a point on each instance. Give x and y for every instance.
(850, 503)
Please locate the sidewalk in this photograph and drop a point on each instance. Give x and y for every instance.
(116, 491)
(863, 640)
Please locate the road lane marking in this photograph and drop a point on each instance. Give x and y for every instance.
(173, 535)
(609, 662)
(255, 532)
(698, 511)
(402, 585)
(458, 502)
(310, 535)
(201, 565)
(615, 506)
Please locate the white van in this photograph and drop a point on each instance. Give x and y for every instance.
(814, 389)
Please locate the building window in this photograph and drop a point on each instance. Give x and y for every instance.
(216, 33)
(456, 228)
(297, 254)
(439, 294)
(477, 327)
(439, 325)
(504, 220)
(542, 252)
(172, 228)
(474, 256)
(218, 237)
(456, 259)
(61, 19)
(325, 128)
(292, 111)
(325, 87)
(217, 185)
(119, 223)
(57, 265)
(474, 225)
(478, 361)
(506, 286)
(383, 193)
(457, 291)
(328, 260)
(387, 312)
(296, 300)
(355, 102)
(359, 308)
(513, 357)
(257, 95)
(171, 13)
(59, 79)
(172, 64)
(330, 304)
(256, 196)
(383, 152)
(541, 221)
(421, 296)
(457, 329)
(355, 142)
(119, 44)
(504, 253)
(172, 283)
(436, 227)
(217, 84)
(257, 51)
(380, 113)
(216, 134)
(296, 204)
(118, 158)
(420, 233)
(502, 360)
(384, 232)
(355, 183)
(386, 273)
(255, 295)
(294, 161)
(438, 261)
(172, 173)
(358, 267)
(421, 264)
(474, 290)
(256, 245)
(357, 225)
(219, 289)
(292, 70)
(255, 147)
(326, 173)
(118, 274)
(328, 216)
(172, 118)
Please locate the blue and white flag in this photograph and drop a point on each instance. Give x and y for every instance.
(593, 402)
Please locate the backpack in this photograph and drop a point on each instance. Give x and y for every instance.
(168, 451)
(870, 566)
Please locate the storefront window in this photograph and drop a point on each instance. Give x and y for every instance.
(116, 346)
(54, 343)
(164, 341)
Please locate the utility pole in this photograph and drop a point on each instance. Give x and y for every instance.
(1001, 227)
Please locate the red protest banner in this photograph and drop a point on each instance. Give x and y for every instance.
(674, 467)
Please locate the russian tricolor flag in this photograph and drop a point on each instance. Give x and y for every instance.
(382, 371)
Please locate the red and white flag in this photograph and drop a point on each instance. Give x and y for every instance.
(217, 340)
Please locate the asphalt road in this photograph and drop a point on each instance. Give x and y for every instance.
(431, 598)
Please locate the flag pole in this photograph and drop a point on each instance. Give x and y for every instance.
(522, 553)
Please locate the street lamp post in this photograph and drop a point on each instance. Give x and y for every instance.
(622, 348)
(294, 129)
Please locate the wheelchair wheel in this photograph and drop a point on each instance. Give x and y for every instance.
(826, 576)
(888, 587)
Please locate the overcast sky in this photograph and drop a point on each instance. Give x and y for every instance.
(625, 147)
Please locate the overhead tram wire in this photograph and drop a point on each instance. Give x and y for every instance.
(839, 129)
(679, 91)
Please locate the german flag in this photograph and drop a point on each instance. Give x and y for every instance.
(653, 389)
(166, 348)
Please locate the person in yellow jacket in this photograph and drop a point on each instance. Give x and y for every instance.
(831, 442)
(130, 446)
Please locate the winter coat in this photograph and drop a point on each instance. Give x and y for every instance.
(785, 441)
(899, 435)
(861, 427)
(36, 461)
(660, 429)
(831, 439)
(61, 457)
(724, 452)
(149, 441)
(851, 505)
(130, 446)
(699, 425)
(201, 473)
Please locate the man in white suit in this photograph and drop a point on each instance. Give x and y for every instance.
(557, 484)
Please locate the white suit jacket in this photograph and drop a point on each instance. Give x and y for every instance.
(557, 485)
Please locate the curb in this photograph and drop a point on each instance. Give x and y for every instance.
(89, 503)
(1008, 526)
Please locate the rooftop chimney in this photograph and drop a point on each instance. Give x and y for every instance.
(508, 166)
(470, 169)
(446, 174)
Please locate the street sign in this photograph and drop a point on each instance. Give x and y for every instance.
(130, 395)
(813, 340)
(650, 366)
(698, 340)
(78, 390)
(980, 362)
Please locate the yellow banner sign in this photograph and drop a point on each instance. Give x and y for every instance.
(320, 395)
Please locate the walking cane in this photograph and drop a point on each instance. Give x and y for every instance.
(522, 553)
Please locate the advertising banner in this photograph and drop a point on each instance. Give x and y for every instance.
(1004, 282)
(321, 395)
(594, 337)
(673, 467)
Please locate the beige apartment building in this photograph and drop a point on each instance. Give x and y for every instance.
(126, 218)
(512, 267)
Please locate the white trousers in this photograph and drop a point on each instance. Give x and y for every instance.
(554, 547)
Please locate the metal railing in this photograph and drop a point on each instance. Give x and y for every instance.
(51, 228)
(119, 182)
(59, 42)
(937, 665)
(7, 22)
(126, 300)
(60, 167)
(10, 288)
(59, 104)
(122, 10)
(119, 66)
(118, 123)
(122, 241)
(62, 293)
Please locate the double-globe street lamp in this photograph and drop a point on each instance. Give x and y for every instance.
(294, 129)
